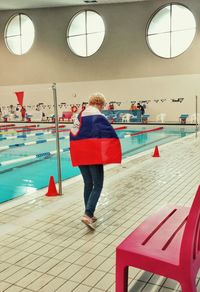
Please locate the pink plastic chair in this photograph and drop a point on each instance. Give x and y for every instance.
(167, 243)
(66, 115)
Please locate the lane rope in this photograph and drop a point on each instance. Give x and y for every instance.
(35, 156)
(31, 135)
(31, 143)
(143, 132)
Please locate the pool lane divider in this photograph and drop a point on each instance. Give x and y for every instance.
(38, 134)
(31, 135)
(53, 152)
(38, 129)
(30, 157)
(39, 141)
(31, 143)
(143, 132)
(65, 130)
(120, 128)
(18, 127)
(8, 125)
(7, 133)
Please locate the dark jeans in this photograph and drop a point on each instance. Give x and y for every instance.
(93, 176)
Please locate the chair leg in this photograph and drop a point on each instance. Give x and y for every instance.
(188, 285)
(121, 278)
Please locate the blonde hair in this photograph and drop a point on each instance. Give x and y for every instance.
(97, 98)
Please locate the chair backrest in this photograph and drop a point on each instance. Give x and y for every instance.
(193, 118)
(190, 246)
(67, 115)
(183, 116)
(160, 117)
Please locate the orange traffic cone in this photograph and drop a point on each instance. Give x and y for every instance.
(156, 152)
(52, 188)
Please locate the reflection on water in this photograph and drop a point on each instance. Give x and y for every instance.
(182, 132)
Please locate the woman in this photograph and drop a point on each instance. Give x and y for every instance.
(23, 113)
(93, 143)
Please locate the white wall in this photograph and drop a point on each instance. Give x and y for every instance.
(123, 90)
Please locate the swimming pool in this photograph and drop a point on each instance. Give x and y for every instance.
(18, 178)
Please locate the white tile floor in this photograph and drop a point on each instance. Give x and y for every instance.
(44, 246)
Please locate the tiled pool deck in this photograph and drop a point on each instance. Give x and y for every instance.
(45, 247)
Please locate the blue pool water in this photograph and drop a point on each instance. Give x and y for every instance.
(24, 177)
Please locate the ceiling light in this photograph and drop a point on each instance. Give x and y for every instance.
(90, 1)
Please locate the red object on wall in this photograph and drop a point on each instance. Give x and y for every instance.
(20, 97)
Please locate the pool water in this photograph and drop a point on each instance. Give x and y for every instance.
(17, 179)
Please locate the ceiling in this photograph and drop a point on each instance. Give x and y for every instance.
(28, 4)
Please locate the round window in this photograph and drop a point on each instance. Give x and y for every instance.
(19, 34)
(85, 33)
(171, 30)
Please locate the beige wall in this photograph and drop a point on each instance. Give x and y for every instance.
(123, 68)
(123, 90)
